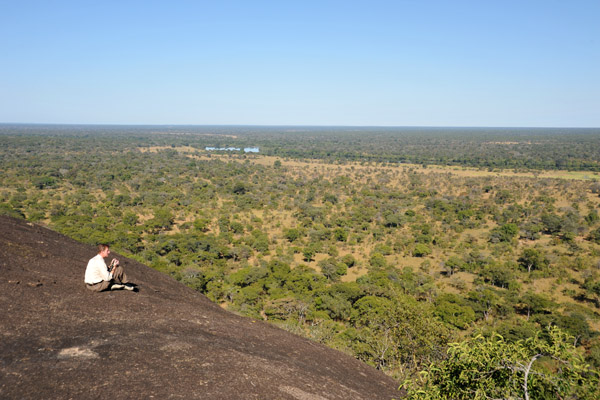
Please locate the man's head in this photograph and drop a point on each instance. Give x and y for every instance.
(103, 250)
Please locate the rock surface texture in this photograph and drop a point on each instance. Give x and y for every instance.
(61, 341)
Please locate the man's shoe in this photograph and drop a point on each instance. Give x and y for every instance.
(117, 286)
(128, 286)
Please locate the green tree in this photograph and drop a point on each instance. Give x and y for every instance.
(595, 236)
(340, 234)
(483, 368)
(397, 332)
(552, 223)
(377, 260)
(483, 301)
(162, 221)
(592, 217)
(421, 250)
(308, 253)
(329, 269)
(292, 234)
(504, 233)
(45, 182)
(239, 188)
(533, 303)
(533, 259)
(454, 310)
(451, 265)
(349, 260)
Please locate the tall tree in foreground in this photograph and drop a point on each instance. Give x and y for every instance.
(547, 366)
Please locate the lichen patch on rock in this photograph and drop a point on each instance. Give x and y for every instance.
(77, 352)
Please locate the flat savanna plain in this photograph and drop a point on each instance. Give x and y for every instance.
(469, 172)
(567, 189)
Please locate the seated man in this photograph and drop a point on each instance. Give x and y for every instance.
(99, 277)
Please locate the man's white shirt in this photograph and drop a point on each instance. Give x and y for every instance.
(97, 271)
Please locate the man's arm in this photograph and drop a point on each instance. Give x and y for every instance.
(113, 265)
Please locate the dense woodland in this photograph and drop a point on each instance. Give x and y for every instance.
(461, 282)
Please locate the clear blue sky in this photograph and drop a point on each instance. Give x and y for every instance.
(386, 63)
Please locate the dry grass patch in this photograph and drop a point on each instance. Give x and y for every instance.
(464, 172)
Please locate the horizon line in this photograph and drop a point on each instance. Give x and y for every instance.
(301, 125)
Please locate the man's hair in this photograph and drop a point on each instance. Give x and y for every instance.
(102, 247)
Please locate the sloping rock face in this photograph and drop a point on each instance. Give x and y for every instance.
(61, 341)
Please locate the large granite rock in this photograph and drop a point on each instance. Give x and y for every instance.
(62, 341)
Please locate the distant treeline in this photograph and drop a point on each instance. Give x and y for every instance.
(491, 148)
